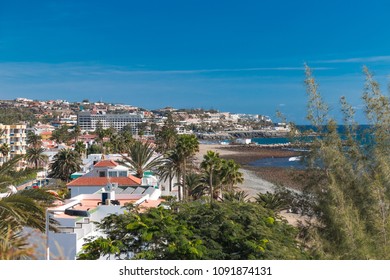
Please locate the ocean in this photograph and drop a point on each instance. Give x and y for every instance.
(363, 135)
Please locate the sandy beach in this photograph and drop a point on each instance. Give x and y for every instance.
(256, 179)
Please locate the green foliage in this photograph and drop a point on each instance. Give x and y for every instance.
(25, 208)
(274, 201)
(34, 140)
(141, 158)
(348, 181)
(166, 137)
(34, 155)
(179, 159)
(10, 116)
(94, 149)
(219, 174)
(65, 163)
(61, 134)
(228, 230)
(14, 245)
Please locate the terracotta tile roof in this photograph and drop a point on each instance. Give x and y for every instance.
(87, 136)
(106, 163)
(47, 133)
(103, 181)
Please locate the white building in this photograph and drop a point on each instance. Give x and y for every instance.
(88, 121)
(76, 218)
(104, 173)
(14, 137)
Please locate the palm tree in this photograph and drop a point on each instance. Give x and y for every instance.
(195, 186)
(273, 201)
(211, 164)
(5, 168)
(232, 196)
(231, 174)
(141, 158)
(166, 137)
(34, 140)
(5, 149)
(35, 156)
(23, 209)
(14, 245)
(80, 148)
(76, 133)
(66, 162)
(185, 149)
(168, 169)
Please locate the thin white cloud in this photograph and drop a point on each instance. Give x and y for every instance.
(384, 58)
(26, 69)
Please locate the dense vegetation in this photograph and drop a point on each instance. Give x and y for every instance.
(10, 116)
(347, 187)
(194, 230)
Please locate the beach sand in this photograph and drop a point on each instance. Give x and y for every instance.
(256, 179)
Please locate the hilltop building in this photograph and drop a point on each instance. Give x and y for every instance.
(89, 121)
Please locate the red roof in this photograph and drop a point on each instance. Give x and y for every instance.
(88, 136)
(106, 163)
(103, 181)
(46, 133)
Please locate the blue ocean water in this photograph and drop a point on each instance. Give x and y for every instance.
(277, 162)
(267, 141)
(362, 134)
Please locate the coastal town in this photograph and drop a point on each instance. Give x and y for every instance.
(36, 134)
(194, 139)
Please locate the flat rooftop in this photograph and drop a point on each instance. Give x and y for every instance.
(91, 204)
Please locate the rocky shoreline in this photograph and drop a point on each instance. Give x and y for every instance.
(258, 179)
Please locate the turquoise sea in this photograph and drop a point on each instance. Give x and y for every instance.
(363, 135)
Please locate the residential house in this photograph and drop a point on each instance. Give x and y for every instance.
(104, 173)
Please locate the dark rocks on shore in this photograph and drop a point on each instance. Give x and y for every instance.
(230, 135)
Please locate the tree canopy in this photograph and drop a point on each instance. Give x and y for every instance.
(194, 230)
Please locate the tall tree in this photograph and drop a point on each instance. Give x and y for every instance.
(34, 140)
(231, 174)
(185, 148)
(23, 209)
(141, 157)
(347, 179)
(61, 134)
(80, 148)
(211, 164)
(36, 157)
(223, 231)
(166, 137)
(196, 187)
(65, 162)
(76, 133)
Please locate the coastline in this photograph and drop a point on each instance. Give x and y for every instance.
(256, 179)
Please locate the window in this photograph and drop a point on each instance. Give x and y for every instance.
(112, 174)
(102, 173)
(122, 173)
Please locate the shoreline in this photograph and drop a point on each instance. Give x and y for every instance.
(256, 179)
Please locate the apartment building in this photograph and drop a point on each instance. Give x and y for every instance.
(89, 121)
(12, 141)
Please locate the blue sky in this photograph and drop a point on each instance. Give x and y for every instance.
(239, 56)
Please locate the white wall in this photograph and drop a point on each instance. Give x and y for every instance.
(74, 190)
(62, 245)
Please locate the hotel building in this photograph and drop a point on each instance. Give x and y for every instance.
(14, 137)
(89, 121)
